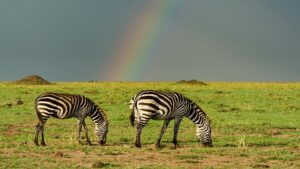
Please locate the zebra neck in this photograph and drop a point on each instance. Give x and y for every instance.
(196, 115)
(99, 117)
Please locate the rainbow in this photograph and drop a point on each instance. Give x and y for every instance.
(138, 40)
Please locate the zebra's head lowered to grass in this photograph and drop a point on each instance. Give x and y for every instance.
(203, 132)
(101, 124)
(101, 132)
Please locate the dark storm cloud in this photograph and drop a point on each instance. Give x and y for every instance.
(208, 40)
(61, 40)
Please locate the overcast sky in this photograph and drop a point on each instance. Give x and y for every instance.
(209, 40)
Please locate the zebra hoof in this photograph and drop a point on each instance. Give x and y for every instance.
(43, 144)
(36, 142)
(174, 146)
(102, 143)
(138, 145)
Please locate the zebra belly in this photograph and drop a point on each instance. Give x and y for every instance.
(53, 111)
(60, 115)
(160, 115)
(53, 114)
(63, 116)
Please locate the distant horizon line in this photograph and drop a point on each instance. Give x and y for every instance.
(190, 81)
(168, 81)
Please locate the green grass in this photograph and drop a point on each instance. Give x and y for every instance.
(254, 125)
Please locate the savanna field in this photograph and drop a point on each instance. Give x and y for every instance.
(254, 125)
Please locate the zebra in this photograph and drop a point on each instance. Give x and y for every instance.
(63, 106)
(160, 105)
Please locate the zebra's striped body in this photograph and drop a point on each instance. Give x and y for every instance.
(65, 106)
(158, 105)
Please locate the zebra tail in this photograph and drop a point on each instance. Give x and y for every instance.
(132, 118)
(133, 108)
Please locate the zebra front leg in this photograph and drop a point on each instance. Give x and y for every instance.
(163, 130)
(176, 128)
(86, 133)
(79, 126)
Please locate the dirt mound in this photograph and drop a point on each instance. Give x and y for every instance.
(32, 80)
(192, 82)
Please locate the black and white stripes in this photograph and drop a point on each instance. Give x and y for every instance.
(65, 106)
(150, 104)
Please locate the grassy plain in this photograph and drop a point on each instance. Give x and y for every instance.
(254, 125)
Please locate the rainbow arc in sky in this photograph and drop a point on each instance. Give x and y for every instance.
(138, 40)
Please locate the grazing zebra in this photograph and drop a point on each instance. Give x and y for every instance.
(158, 105)
(65, 106)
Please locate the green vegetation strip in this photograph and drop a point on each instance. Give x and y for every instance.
(254, 125)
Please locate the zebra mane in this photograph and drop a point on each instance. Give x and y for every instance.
(99, 110)
(103, 114)
(197, 109)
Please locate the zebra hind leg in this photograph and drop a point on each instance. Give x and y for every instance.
(38, 128)
(43, 140)
(163, 130)
(139, 129)
(37, 132)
